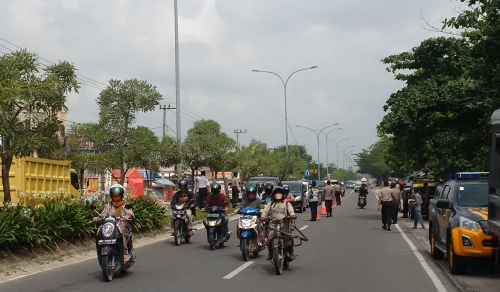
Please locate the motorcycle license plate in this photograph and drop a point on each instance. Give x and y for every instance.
(213, 216)
(179, 213)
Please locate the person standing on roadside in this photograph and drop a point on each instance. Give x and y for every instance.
(235, 188)
(417, 217)
(328, 197)
(387, 201)
(313, 200)
(338, 192)
(202, 189)
(395, 194)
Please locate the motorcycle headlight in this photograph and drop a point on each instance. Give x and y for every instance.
(212, 223)
(246, 223)
(298, 198)
(467, 224)
(108, 229)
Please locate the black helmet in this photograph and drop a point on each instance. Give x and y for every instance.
(259, 186)
(276, 190)
(313, 183)
(183, 185)
(268, 188)
(116, 190)
(215, 188)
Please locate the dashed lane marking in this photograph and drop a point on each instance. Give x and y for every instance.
(305, 226)
(235, 272)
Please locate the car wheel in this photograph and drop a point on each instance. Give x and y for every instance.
(435, 252)
(457, 263)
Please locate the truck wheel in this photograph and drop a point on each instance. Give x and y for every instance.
(435, 252)
(457, 263)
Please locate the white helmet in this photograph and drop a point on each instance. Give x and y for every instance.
(364, 180)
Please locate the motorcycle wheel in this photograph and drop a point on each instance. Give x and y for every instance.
(286, 264)
(177, 235)
(211, 241)
(107, 265)
(187, 239)
(278, 261)
(221, 244)
(244, 248)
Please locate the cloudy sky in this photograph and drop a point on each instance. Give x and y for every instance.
(221, 42)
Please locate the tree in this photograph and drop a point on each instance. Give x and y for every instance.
(169, 152)
(372, 160)
(254, 159)
(287, 164)
(343, 175)
(144, 150)
(223, 155)
(119, 104)
(30, 100)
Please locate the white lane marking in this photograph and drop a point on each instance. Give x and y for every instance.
(423, 262)
(305, 226)
(235, 272)
(348, 195)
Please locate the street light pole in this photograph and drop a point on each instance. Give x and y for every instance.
(337, 146)
(177, 88)
(344, 149)
(318, 133)
(326, 142)
(285, 83)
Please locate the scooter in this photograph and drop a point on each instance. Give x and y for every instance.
(361, 201)
(217, 232)
(109, 245)
(249, 232)
(179, 215)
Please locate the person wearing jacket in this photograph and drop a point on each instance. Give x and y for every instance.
(328, 197)
(251, 200)
(184, 196)
(278, 209)
(338, 193)
(314, 198)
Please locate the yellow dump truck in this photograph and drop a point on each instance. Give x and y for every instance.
(31, 175)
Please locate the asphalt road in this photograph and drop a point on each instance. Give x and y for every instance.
(347, 252)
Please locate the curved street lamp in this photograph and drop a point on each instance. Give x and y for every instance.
(326, 142)
(285, 83)
(318, 133)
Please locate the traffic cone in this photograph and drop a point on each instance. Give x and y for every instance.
(323, 208)
(317, 216)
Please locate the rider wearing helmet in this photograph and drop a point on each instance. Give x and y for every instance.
(217, 199)
(268, 190)
(260, 189)
(116, 209)
(277, 209)
(363, 191)
(251, 201)
(183, 195)
(286, 191)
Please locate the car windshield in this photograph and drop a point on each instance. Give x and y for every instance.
(320, 184)
(294, 188)
(254, 181)
(473, 195)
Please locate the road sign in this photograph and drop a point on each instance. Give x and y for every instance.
(312, 170)
(307, 173)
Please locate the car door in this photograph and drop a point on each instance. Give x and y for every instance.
(441, 214)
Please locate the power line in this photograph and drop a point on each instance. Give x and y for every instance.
(296, 143)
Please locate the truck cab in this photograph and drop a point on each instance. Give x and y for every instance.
(458, 221)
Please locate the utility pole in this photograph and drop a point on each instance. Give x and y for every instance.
(177, 88)
(165, 109)
(237, 137)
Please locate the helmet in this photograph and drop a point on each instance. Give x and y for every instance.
(286, 189)
(259, 186)
(364, 181)
(215, 189)
(116, 192)
(278, 190)
(251, 192)
(268, 188)
(183, 185)
(313, 183)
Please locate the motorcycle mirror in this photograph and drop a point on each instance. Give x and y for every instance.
(128, 206)
(93, 207)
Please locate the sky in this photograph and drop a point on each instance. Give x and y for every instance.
(221, 42)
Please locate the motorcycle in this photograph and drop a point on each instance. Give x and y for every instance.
(249, 232)
(280, 257)
(217, 233)
(361, 201)
(179, 215)
(109, 245)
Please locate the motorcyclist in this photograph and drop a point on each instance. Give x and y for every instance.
(277, 209)
(363, 191)
(217, 199)
(268, 190)
(184, 196)
(286, 192)
(116, 208)
(260, 189)
(251, 201)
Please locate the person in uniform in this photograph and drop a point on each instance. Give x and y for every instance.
(328, 196)
(386, 199)
(338, 193)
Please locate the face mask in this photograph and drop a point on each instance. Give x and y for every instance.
(278, 196)
(116, 198)
(251, 196)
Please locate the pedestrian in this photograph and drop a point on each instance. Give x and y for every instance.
(313, 200)
(202, 189)
(328, 196)
(396, 196)
(417, 217)
(235, 183)
(386, 199)
(338, 193)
